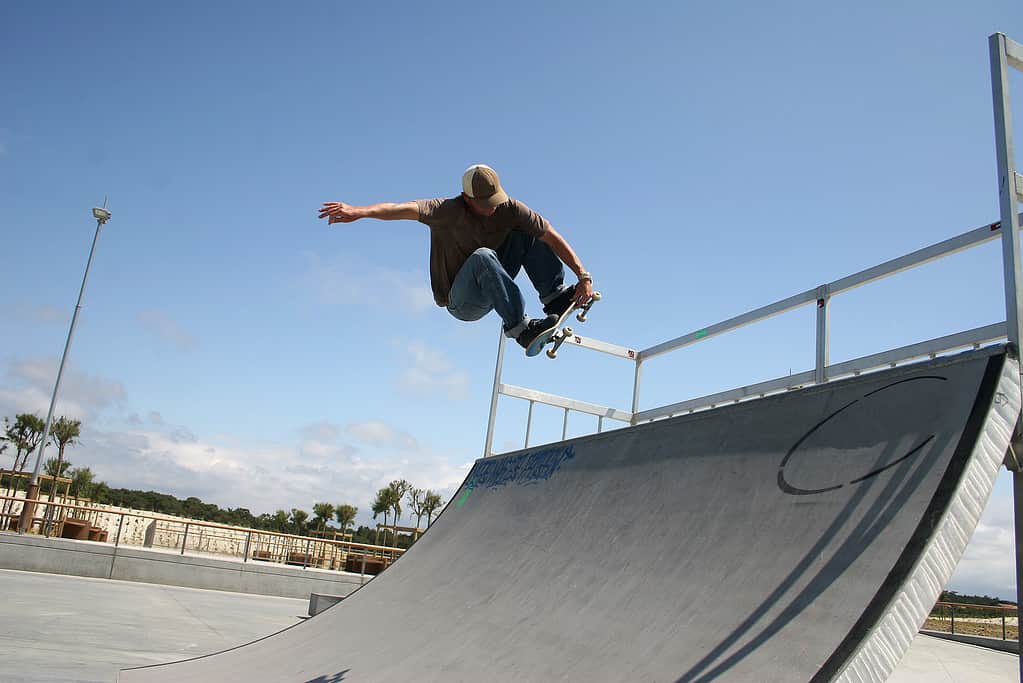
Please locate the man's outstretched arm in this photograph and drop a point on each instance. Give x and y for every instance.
(339, 212)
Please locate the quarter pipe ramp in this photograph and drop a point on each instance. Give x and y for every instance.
(798, 537)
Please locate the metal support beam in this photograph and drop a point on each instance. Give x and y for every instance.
(1004, 148)
(529, 424)
(637, 380)
(823, 332)
(1005, 53)
(488, 449)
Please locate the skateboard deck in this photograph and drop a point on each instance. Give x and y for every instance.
(557, 334)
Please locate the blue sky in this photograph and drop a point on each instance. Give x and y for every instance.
(702, 158)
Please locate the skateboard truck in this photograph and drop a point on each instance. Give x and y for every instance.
(559, 337)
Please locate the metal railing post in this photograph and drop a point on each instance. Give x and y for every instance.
(564, 426)
(635, 390)
(120, 524)
(248, 543)
(529, 424)
(823, 332)
(184, 537)
(488, 449)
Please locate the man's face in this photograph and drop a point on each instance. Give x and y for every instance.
(479, 208)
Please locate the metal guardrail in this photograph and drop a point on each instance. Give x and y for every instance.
(822, 371)
(258, 544)
(946, 611)
(1005, 54)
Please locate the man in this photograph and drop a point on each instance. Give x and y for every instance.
(479, 241)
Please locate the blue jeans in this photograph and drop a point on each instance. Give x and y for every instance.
(486, 281)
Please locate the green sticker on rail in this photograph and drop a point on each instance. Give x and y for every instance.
(465, 496)
(701, 334)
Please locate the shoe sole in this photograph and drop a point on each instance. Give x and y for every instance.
(536, 346)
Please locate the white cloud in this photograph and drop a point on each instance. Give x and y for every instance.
(41, 314)
(988, 566)
(382, 435)
(151, 453)
(345, 282)
(261, 478)
(48, 314)
(29, 386)
(431, 373)
(160, 324)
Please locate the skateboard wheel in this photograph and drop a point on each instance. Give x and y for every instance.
(596, 296)
(551, 353)
(581, 316)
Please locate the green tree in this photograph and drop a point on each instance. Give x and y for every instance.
(63, 433)
(299, 521)
(416, 502)
(398, 488)
(24, 434)
(431, 503)
(280, 522)
(345, 515)
(82, 483)
(381, 504)
(323, 512)
(55, 468)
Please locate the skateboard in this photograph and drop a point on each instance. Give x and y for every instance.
(557, 335)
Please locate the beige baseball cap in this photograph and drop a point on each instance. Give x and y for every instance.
(482, 184)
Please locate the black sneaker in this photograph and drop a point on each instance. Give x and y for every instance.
(561, 303)
(534, 328)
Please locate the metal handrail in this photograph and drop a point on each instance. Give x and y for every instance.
(376, 549)
(823, 370)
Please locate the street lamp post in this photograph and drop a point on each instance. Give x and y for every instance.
(28, 509)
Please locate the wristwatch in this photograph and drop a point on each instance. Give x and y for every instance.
(585, 276)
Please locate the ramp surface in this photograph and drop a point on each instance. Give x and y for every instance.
(800, 537)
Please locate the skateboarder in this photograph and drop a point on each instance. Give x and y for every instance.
(479, 241)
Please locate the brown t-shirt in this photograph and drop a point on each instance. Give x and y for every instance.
(456, 232)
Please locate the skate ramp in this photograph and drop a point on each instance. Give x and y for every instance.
(799, 537)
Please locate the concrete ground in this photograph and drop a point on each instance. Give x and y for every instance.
(78, 630)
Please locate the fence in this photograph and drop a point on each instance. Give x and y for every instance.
(91, 523)
(971, 620)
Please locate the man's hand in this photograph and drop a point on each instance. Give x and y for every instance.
(583, 292)
(339, 212)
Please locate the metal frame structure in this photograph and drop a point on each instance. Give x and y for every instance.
(823, 370)
(1005, 54)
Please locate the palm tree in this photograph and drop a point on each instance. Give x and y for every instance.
(25, 434)
(416, 499)
(381, 504)
(398, 488)
(299, 521)
(324, 512)
(280, 521)
(345, 515)
(431, 502)
(50, 467)
(63, 433)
